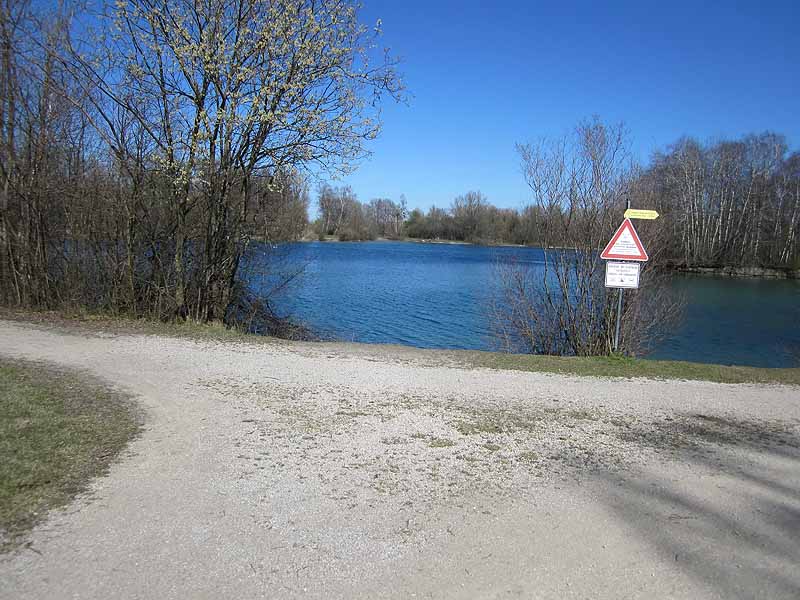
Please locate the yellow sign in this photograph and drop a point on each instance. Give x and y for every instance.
(634, 213)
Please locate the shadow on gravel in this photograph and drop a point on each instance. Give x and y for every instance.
(729, 515)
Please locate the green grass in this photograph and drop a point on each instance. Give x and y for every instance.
(57, 431)
(528, 457)
(618, 366)
(436, 442)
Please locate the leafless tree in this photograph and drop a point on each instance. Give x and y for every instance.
(579, 185)
(732, 203)
(469, 215)
(279, 208)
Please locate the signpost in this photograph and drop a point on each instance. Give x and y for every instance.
(623, 254)
(622, 275)
(625, 245)
(635, 213)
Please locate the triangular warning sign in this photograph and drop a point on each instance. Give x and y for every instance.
(625, 245)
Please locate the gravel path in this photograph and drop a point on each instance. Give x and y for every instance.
(281, 470)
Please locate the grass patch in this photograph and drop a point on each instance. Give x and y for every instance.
(625, 367)
(492, 422)
(440, 443)
(92, 323)
(584, 366)
(57, 431)
(529, 457)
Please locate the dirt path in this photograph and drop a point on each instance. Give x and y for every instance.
(273, 470)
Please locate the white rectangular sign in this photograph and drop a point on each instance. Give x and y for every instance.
(622, 274)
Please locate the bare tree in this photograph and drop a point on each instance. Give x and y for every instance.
(336, 207)
(730, 203)
(279, 209)
(469, 212)
(579, 185)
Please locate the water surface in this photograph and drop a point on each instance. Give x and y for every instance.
(436, 296)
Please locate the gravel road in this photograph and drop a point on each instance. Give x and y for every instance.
(284, 470)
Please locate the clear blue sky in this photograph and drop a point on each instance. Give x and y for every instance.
(484, 75)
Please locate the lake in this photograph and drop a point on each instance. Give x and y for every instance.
(435, 296)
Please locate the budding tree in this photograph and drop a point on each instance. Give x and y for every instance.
(228, 92)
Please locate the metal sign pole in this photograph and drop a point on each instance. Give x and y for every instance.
(619, 300)
(619, 318)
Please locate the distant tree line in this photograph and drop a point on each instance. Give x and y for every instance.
(727, 203)
(471, 218)
(341, 215)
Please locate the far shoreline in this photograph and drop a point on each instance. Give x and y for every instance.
(406, 240)
(732, 272)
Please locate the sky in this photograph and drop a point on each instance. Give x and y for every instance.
(483, 76)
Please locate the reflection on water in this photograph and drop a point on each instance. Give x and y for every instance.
(436, 296)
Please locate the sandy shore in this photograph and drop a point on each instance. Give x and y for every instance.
(287, 470)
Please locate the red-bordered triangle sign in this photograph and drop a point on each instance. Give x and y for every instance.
(625, 245)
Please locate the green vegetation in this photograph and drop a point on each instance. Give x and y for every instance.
(528, 457)
(479, 427)
(502, 421)
(620, 366)
(57, 431)
(436, 442)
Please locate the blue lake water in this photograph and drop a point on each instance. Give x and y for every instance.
(437, 295)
